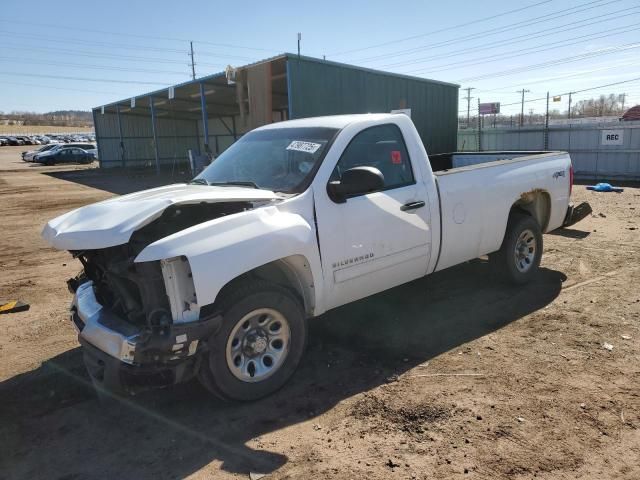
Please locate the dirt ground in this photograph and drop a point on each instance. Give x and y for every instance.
(452, 376)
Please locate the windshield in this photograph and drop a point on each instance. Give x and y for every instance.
(279, 159)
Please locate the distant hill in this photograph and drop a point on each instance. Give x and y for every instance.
(63, 118)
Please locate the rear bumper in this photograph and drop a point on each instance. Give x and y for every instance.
(576, 213)
(126, 358)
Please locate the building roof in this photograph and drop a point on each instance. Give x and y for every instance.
(194, 84)
(632, 114)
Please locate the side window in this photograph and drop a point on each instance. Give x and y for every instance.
(381, 147)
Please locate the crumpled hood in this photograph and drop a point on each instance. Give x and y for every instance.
(111, 222)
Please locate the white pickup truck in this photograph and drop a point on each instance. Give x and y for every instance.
(218, 277)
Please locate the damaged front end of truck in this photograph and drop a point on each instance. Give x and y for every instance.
(140, 323)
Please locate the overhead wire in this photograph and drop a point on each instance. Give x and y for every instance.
(559, 61)
(2, 82)
(95, 54)
(413, 37)
(519, 38)
(98, 67)
(134, 35)
(528, 51)
(501, 29)
(84, 79)
(545, 80)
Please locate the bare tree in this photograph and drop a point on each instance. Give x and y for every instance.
(597, 107)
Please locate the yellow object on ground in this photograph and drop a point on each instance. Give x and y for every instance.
(13, 306)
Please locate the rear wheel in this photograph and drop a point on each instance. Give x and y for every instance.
(259, 345)
(519, 256)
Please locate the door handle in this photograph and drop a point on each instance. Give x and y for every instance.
(412, 205)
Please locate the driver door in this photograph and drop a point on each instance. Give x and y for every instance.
(377, 240)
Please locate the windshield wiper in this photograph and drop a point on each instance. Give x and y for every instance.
(234, 183)
(198, 181)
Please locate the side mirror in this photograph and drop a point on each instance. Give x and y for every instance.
(355, 181)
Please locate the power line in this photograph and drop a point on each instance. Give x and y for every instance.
(441, 30)
(22, 84)
(152, 37)
(91, 44)
(528, 51)
(554, 62)
(496, 30)
(517, 39)
(573, 92)
(578, 74)
(86, 42)
(98, 67)
(96, 55)
(100, 80)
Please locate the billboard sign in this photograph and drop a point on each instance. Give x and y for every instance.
(489, 108)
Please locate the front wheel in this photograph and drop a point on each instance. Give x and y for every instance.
(259, 345)
(519, 256)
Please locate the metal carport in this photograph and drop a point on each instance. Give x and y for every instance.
(208, 114)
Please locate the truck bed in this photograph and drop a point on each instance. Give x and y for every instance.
(477, 191)
(444, 162)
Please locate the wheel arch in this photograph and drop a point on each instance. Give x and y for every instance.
(537, 204)
(292, 272)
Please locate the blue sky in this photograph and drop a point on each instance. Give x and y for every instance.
(116, 49)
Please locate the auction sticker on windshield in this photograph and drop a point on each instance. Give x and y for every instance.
(301, 146)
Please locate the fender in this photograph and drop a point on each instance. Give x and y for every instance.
(223, 249)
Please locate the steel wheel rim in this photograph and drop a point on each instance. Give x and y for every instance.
(525, 251)
(258, 345)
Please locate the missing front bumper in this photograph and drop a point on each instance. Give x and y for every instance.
(123, 357)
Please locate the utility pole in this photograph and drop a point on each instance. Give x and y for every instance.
(624, 97)
(546, 126)
(193, 64)
(299, 39)
(468, 99)
(479, 128)
(569, 110)
(523, 91)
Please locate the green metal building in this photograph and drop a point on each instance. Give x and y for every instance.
(208, 114)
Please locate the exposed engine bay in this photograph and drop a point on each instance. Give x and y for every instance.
(136, 291)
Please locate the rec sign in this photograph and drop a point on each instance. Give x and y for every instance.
(612, 137)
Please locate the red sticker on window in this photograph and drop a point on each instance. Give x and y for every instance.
(396, 157)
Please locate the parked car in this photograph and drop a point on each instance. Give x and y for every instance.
(29, 156)
(25, 139)
(4, 141)
(15, 142)
(39, 157)
(66, 154)
(217, 278)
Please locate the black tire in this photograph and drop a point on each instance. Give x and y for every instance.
(505, 261)
(215, 372)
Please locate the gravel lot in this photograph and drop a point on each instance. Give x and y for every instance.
(452, 376)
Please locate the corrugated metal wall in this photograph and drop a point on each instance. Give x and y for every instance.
(591, 159)
(318, 88)
(175, 137)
